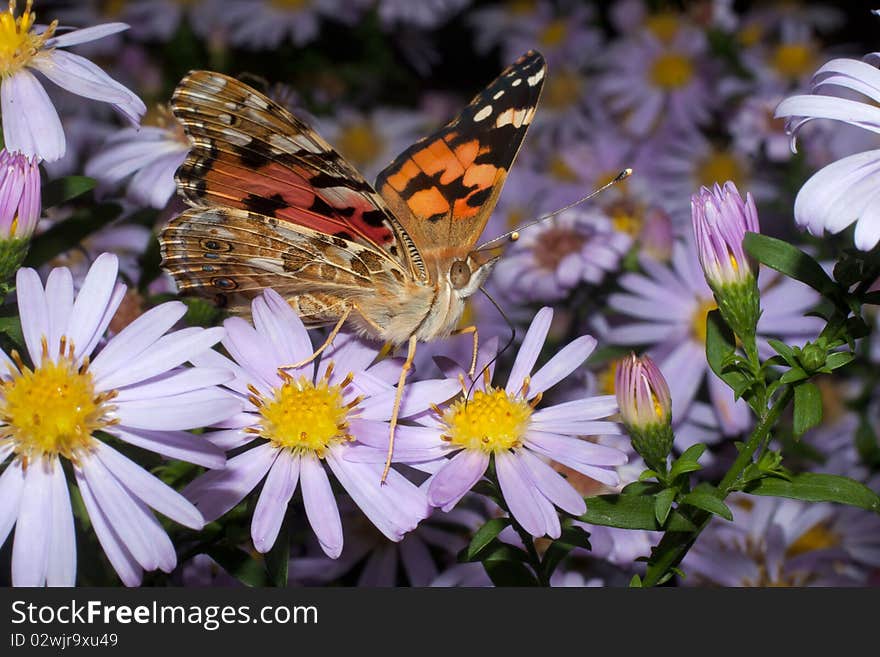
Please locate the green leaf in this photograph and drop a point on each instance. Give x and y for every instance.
(707, 499)
(663, 504)
(783, 350)
(791, 261)
(571, 538)
(69, 233)
(631, 512)
(635, 582)
(504, 564)
(278, 558)
(720, 350)
(793, 375)
(807, 407)
(817, 487)
(688, 461)
(483, 537)
(58, 191)
(838, 359)
(239, 564)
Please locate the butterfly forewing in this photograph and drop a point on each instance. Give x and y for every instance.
(443, 188)
(249, 153)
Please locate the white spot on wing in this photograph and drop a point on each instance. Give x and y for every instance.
(536, 78)
(483, 113)
(498, 95)
(516, 82)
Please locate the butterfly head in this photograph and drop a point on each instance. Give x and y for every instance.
(466, 276)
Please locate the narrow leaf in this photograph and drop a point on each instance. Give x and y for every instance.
(791, 261)
(630, 512)
(484, 536)
(807, 407)
(58, 191)
(817, 487)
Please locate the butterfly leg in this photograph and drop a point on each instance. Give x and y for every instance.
(327, 342)
(471, 329)
(404, 370)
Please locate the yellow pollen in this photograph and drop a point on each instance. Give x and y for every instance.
(559, 169)
(750, 34)
(818, 537)
(563, 89)
(360, 143)
(698, 320)
(18, 44)
(794, 60)
(515, 218)
(554, 33)
(663, 25)
(627, 216)
(53, 409)
(672, 71)
(720, 166)
(303, 416)
(606, 378)
(491, 421)
(289, 4)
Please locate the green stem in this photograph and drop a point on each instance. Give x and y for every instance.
(675, 545)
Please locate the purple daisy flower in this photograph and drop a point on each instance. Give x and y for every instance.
(19, 195)
(266, 24)
(53, 410)
(304, 422)
(551, 259)
(30, 121)
(501, 424)
(649, 81)
(845, 191)
(416, 559)
(150, 154)
(781, 542)
(670, 305)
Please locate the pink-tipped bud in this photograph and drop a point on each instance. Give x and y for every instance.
(645, 408)
(721, 219)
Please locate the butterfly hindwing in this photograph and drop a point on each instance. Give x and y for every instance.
(232, 255)
(251, 154)
(443, 188)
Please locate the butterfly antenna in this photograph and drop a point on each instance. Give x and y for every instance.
(513, 235)
(498, 355)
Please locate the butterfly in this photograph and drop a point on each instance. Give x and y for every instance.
(274, 205)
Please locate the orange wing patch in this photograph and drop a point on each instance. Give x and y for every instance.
(443, 188)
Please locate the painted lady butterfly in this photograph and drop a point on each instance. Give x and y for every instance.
(273, 205)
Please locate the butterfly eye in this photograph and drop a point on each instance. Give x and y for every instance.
(459, 274)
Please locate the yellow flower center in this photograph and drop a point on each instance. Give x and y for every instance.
(750, 34)
(663, 25)
(563, 89)
(719, 167)
(554, 33)
(361, 143)
(698, 320)
(304, 416)
(793, 60)
(289, 4)
(521, 7)
(671, 71)
(606, 378)
(52, 409)
(818, 537)
(18, 45)
(627, 216)
(559, 169)
(491, 421)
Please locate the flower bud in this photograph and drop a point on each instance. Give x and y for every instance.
(645, 408)
(721, 219)
(19, 209)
